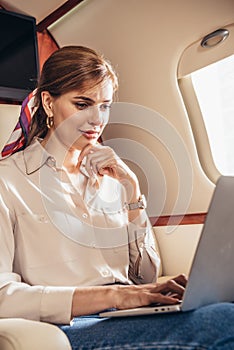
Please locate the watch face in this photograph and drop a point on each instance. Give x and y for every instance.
(141, 204)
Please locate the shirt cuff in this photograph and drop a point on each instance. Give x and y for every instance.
(56, 304)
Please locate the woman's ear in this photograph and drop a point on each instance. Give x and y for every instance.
(47, 102)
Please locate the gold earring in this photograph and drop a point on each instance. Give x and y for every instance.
(49, 122)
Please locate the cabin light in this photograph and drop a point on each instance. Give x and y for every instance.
(214, 38)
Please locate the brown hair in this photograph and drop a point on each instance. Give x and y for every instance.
(69, 68)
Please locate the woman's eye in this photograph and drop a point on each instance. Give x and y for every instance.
(82, 105)
(105, 107)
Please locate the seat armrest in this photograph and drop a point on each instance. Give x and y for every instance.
(21, 334)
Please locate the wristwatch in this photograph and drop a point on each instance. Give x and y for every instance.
(140, 204)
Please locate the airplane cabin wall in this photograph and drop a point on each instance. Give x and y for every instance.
(144, 40)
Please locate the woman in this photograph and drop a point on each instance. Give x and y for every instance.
(75, 237)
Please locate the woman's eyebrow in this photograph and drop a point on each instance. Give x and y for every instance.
(88, 99)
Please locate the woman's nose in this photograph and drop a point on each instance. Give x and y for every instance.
(97, 116)
(94, 116)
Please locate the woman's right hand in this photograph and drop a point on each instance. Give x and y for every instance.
(90, 300)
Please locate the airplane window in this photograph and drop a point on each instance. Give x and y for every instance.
(214, 88)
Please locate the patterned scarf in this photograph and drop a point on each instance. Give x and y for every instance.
(19, 136)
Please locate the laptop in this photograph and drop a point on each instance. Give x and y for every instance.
(211, 274)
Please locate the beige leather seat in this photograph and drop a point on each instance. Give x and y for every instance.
(20, 334)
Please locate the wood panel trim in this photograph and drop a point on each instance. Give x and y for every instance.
(186, 219)
(56, 14)
(5, 101)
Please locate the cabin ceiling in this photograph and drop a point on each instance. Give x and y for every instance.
(190, 18)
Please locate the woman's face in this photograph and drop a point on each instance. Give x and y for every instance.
(80, 117)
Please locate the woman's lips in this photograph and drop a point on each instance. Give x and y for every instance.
(90, 134)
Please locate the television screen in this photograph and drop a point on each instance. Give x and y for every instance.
(18, 55)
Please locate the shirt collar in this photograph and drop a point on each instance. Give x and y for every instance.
(35, 156)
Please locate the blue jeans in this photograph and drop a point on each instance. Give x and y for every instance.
(210, 327)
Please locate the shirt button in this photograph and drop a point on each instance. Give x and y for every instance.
(105, 273)
(85, 215)
(51, 162)
(42, 218)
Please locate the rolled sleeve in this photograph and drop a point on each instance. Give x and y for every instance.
(145, 262)
(38, 303)
(56, 304)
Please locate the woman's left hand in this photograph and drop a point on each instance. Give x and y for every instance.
(169, 292)
(102, 160)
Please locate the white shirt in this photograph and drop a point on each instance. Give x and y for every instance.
(54, 237)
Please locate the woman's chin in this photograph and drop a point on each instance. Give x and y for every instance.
(80, 145)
